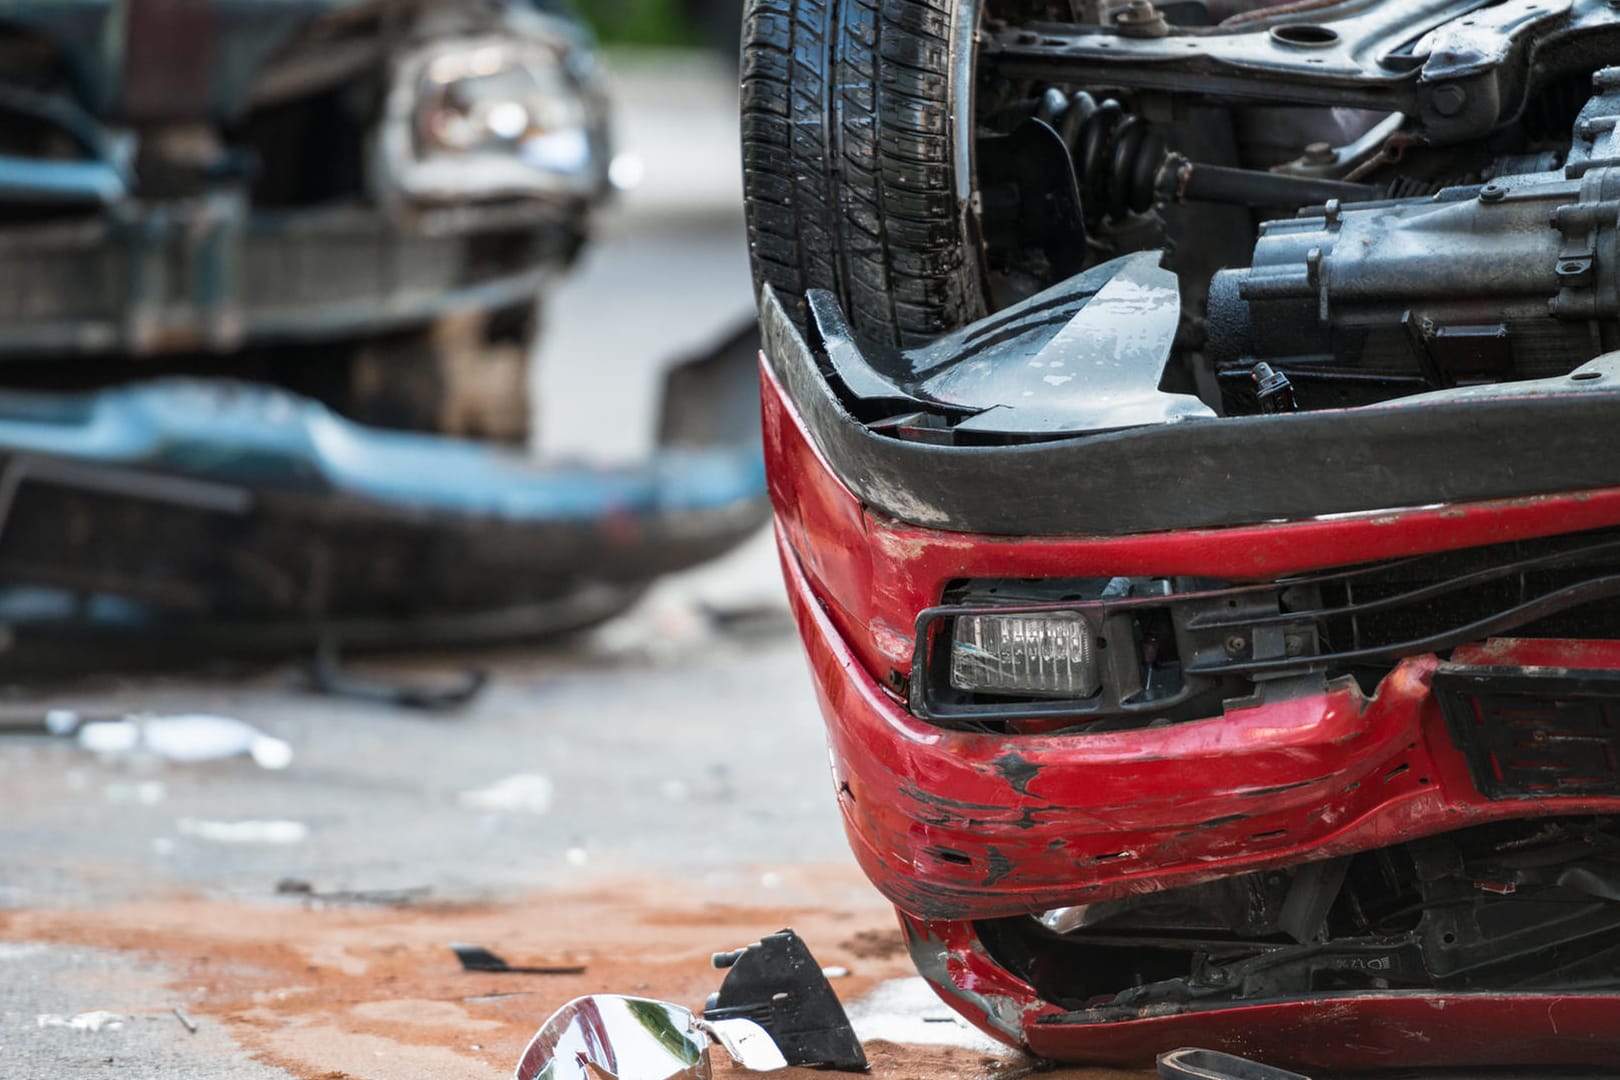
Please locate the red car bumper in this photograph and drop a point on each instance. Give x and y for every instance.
(954, 824)
(958, 825)
(1337, 1033)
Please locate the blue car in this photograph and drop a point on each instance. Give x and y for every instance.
(269, 283)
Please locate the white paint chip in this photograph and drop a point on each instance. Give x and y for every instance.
(525, 793)
(99, 1020)
(244, 832)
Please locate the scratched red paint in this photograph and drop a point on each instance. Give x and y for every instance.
(1337, 1033)
(954, 825)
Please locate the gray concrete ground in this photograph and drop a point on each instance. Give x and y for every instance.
(667, 272)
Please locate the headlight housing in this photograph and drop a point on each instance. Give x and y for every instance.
(1042, 654)
(514, 115)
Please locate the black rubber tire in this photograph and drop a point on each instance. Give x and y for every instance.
(849, 136)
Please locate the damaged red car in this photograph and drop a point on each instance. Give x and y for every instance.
(1192, 430)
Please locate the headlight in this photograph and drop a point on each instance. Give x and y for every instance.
(1039, 655)
(1067, 650)
(494, 117)
(1105, 652)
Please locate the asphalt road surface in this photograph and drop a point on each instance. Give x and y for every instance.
(630, 801)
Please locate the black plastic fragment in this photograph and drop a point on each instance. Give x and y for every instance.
(328, 676)
(778, 985)
(478, 958)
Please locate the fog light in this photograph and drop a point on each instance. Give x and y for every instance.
(1052, 654)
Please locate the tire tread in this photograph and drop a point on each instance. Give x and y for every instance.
(848, 168)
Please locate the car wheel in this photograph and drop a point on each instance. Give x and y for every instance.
(857, 160)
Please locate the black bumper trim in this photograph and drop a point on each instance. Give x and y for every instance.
(1534, 733)
(1208, 473)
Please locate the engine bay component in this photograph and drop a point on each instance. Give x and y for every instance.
(1086, 355)
(1513, 279)
(1509, 279)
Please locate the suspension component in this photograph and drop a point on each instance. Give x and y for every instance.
(1116, 153)
(1181, 180)
(1123, 167)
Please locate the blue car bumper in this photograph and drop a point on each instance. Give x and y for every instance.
(245, 512)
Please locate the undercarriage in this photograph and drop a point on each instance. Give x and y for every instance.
(1331, 207)
(1520, 906)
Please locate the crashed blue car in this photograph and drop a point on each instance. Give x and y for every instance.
(269, 284)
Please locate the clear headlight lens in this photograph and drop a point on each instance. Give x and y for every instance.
(513, 99)
(494, 116)
(1051, 654)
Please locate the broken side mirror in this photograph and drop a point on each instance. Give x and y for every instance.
(614, 1037)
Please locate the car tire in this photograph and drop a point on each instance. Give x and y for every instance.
(857, 168)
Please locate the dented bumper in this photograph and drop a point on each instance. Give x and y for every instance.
(959, 825)
(962, 827)
(188, 515)
(956, 823)
(1324, 1033)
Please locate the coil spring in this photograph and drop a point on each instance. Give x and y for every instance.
(1116, 153)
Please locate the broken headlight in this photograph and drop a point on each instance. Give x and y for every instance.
(509, 116)
(1051, 654)
(1093, 651)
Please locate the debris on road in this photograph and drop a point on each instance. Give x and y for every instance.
(338, 897)
(631, 1038)
(478, 958)
(186, 738)
(1191, 1063)
(777, 984)
(99, 1020)
(523, 793)
(329, 676)
(185, 1019)
(749, 621)
(908, 1012)
(244, 832)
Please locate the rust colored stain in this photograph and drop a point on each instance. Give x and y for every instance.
(347, 993)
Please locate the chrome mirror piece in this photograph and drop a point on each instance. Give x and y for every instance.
(614, 1037)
